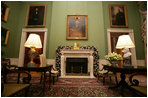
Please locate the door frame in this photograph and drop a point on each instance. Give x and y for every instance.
(131, 34)
(23, 39)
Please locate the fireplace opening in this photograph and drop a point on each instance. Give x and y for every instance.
(76, 66)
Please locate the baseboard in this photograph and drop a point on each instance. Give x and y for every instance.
(14, 61)
(140, 62)
(51, 61)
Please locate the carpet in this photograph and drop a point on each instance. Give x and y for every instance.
(73, 87)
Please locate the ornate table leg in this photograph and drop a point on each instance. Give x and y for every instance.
(122, 83)
(49, 79)
(44, 82)
(18, 78)
(5, 78)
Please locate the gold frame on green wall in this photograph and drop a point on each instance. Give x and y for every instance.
(4, 12)
(77, 27)
(118, 15)
(36, 14)
(4, 36)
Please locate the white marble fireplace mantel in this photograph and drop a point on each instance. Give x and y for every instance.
(79, 53)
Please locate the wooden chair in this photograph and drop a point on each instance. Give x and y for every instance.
(8, 89)
(141, 90)
(105, 73)
(54, 72)
(6, 67)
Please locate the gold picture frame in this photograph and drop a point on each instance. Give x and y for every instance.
(4, 12)
(36, 14)
(4, 36)
(77, 27)
(118, 15)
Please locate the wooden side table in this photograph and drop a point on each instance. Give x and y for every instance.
(123, 71)
(38, 69)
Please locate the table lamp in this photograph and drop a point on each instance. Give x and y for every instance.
(33, 42)
(124, 42)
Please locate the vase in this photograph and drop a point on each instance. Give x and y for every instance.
(114, 63)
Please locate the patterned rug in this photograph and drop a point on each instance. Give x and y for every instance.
(73, 87)
(77, 87)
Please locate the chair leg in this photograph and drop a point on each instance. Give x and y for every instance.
(57, 77)
(98, 77)
(103, 80)
(110, 78)
(116, 79)
(53, 79)
(41, 78)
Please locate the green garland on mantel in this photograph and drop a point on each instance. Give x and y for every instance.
(95, 56)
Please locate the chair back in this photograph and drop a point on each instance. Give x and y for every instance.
(42, 60)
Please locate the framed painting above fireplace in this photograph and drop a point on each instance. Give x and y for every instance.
(77, 27)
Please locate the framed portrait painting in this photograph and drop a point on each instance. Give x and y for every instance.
(4, 36)
(118, 16)
(4, 12)
(77, 27)
(36, 15)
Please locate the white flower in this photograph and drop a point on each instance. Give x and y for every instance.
(113, 57)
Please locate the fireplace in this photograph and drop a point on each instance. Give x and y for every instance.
(76, 65)
(77, 61)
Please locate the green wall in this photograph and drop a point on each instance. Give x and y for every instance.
(16, 21)
(134, 22)
(13, 24)
(60, 10)
(56, 20)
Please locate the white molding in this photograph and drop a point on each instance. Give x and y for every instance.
(140, 62)
(131, 34)
(13, 61)
(51, 61)
(23, 38)
(76, 54)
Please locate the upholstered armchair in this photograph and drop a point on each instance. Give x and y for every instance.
(105, 73)
(54, 71)
(10, 89)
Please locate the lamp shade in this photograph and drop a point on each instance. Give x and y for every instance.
(124, 41)
(33, 41)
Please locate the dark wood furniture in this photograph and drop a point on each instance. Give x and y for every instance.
(6, 68)
(123, 72)
(38, 69)
(141, 90)
(8, 89)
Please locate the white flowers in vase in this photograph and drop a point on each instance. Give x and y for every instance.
(113, 58)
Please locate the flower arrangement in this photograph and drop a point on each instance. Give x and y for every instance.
(113, 57)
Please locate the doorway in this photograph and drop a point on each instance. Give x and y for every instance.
(38, 51)
(23, 54)
(113, 35)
